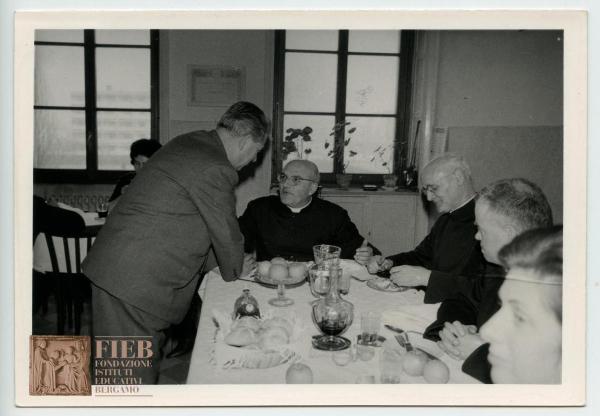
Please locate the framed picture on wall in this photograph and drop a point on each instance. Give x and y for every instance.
(215, 86)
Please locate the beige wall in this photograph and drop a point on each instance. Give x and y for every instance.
(500, 78)
(500, 98)
(250, 50)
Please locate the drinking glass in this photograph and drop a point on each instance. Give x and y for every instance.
(370, 322)
(281, 299)
(390, 366)
(102, 209)
(327, 256)
(343, 282)
(319, 281)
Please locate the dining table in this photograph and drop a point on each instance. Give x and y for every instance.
(404, 309)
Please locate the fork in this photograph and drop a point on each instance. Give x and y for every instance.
(404, 342)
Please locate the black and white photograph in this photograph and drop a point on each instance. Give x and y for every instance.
(318, 202)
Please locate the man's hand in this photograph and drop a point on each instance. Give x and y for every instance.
(458, 340)
(410, 275)
(363, 254)
(249, 264)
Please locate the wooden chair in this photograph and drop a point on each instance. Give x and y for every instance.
(71, 286)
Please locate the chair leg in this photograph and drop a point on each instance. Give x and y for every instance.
(60, 306)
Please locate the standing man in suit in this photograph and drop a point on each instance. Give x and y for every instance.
(147, 260)
(450, 250)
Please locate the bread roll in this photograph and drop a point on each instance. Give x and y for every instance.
(246, 322)
(240, 337)
(278, 322)
(273, 338)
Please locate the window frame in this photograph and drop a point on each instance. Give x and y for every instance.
(402, 115)
(91, 174)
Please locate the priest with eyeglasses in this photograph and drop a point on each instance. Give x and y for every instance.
(290, 224)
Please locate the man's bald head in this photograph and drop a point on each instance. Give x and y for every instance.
(299, 182)
(311, 169)
(446, 181)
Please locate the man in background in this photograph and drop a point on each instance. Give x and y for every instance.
(450, 250)
(289, 225)
(148, 258)
(139, 153)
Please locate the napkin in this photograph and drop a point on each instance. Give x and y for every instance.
(411, 317)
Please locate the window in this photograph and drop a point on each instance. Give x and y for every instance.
(96, 91)
(351, 88)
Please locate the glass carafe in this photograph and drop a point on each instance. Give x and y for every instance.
(333, 316)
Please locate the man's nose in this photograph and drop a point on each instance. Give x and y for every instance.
(429, 195)
(477, 236)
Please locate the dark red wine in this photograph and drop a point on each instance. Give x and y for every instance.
(332, 327)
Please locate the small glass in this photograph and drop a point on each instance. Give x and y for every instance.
(367, 379)
(365, 352)
(370, 322)
(343, 282)
(390, 366)
(319, 281)
(102, 209)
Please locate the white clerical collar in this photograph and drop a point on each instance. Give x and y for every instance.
(297, 210)
(463, 204)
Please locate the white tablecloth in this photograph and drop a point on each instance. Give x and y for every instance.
(221, 295)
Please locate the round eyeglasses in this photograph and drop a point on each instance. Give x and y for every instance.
(295, 180)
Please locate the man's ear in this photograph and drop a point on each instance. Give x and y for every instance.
(313, 188)
(511, 230)
(459, 175)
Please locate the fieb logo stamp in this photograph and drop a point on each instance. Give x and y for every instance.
(59, 365)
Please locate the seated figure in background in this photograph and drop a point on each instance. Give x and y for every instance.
(525, 335)
(504, 209)
(289, 225)
(140, 152)
(449, 252)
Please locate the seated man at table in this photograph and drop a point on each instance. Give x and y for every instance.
(289, 225)
(504, 209)
(450, 251)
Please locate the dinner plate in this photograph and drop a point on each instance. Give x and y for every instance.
(385, 285)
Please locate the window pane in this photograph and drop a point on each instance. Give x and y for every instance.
(123, 77)
(366, 143)
(321, 126)
(53, 35)
(320, 40)
(116, 131)
(123, 37)
(59, 139)
(372, 84)
(310, 82)
(387, 41)
(59, 79)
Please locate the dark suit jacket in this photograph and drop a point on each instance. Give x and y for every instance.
(272, 229)
(450, 251)
(156, 240)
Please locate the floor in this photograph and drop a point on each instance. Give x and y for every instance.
(173, 370)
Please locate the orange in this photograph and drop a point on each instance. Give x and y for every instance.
(278, 272)
(436, 372)
(299, 373)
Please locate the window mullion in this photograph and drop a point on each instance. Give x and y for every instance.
(91, 129)
(340, 104)
(154, 85)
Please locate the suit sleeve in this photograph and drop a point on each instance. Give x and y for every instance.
(212, 192)
(249, 228)
(348, 237)
(477, 365)
(420, 256)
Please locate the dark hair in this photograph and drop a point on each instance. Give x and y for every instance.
(144, 147)
(244, 118)
(520, 200)
(539, 250)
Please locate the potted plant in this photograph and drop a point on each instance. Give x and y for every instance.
(385, 155)
(336, 151)
(297, 141)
